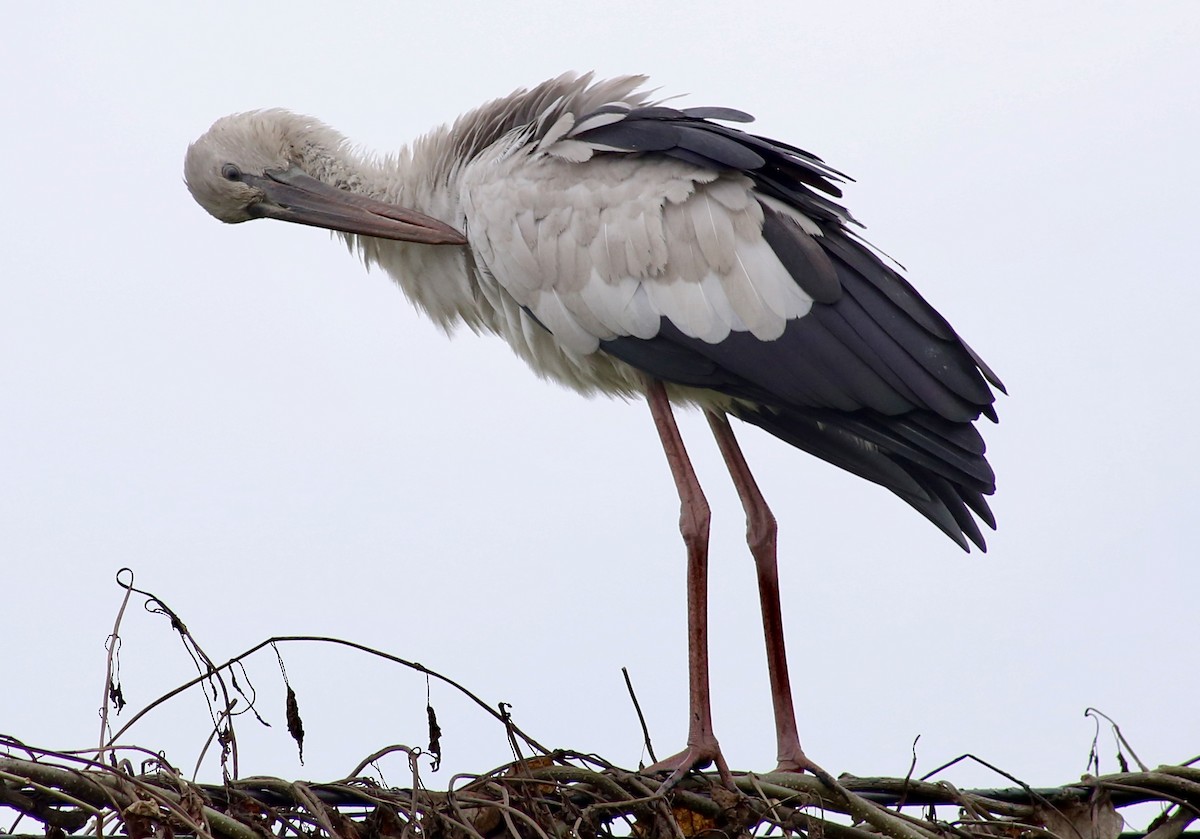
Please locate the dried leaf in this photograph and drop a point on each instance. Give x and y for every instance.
(253, 814)
(518, 768)
(294, 724)
(1095, 819)
(692, 823)
(522, 768)
(435, 737)
(193, 803)
(143, 820)
(345, 827)
(485, 820)
(383, 823)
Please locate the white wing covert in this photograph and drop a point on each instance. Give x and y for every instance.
(610, 245)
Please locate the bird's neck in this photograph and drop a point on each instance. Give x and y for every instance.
(327, 156)
(435, 278)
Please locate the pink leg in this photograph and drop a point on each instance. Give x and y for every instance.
(702, 748)
(761, 535)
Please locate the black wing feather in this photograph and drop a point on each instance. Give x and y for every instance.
(805, 260)
(727, 114)
(796, 176)
(635, 135)
(873, 379)
(945, 360)
(890, 283)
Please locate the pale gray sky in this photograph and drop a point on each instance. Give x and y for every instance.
(277, 443)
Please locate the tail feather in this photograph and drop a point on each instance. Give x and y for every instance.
(868, 446)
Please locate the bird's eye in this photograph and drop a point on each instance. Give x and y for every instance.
(231, 173)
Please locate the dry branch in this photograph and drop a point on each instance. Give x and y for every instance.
(568, 794)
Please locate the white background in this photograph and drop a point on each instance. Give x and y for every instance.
(277, 443)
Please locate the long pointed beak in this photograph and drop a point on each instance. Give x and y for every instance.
(293, 196)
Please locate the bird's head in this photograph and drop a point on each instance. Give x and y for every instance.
(275, 164)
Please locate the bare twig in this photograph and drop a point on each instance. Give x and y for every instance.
(111, 645)
(1121, 741)
(285, 639)
(641, 717)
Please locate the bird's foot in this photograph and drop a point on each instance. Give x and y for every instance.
(697, 755)
(793, 759)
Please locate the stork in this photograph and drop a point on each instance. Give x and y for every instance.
(623, 247)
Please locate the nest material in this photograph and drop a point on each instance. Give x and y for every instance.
(571, 795)
(554, 795)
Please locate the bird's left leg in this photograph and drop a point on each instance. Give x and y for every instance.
(761, 533)
(702, 748)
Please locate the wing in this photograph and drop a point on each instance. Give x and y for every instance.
(714, 258)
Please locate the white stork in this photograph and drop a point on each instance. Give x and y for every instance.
(622, 247)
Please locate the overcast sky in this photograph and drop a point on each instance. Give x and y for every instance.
(277, 443)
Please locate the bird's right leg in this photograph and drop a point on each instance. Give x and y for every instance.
(761, 533)
(702, 748)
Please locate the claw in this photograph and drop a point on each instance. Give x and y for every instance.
(695, 756)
